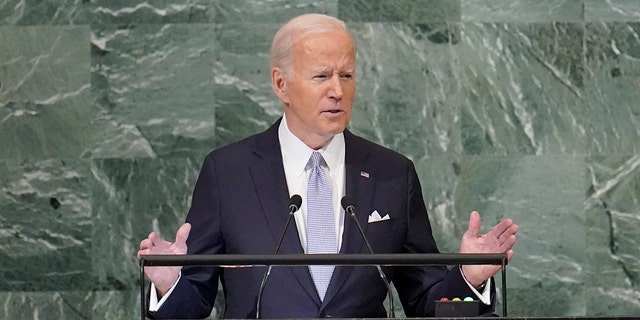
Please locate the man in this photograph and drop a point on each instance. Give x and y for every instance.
(242, 193)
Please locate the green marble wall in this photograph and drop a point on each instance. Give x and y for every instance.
(522, 109)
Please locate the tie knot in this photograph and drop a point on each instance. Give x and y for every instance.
(316, 159)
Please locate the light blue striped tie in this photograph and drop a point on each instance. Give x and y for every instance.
(321, 233)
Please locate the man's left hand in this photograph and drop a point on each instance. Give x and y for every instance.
(499, 240)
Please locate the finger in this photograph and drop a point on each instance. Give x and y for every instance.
(142, 253)
(180, 244)
(501, 227)
(155, 239)
(146, 244)
(509, 243)
(182, 234)
(474, 224)
(512, 230)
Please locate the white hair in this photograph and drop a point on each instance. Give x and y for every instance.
(294, 30)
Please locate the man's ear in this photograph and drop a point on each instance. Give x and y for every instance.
(278, 84)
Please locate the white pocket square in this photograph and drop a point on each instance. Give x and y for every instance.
(375, 217)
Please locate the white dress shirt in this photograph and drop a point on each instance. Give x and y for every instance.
(295, 156)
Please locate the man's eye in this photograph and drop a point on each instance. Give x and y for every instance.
(320, 76)
(347, 76)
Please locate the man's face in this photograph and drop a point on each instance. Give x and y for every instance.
(318, 93)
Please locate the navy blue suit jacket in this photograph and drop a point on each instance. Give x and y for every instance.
(240, 206)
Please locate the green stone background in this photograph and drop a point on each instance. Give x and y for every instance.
(522, 109)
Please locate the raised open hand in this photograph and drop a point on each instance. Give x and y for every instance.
(499, 240)
(164, 277)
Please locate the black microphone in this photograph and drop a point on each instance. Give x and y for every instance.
(350, 208)
(294, 205)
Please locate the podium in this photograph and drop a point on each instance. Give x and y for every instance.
(396, 259)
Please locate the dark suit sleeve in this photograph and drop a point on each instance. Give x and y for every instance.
(419, 287)
(195, 293)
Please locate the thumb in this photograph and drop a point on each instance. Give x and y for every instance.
(183, 233)
(474, 224)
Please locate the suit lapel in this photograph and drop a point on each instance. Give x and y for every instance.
(268, 174)
(360, 185)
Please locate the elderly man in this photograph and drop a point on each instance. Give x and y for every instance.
(241, 197)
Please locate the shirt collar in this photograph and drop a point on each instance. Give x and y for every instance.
(296, 153)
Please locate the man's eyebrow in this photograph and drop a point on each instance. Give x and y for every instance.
(324, 69)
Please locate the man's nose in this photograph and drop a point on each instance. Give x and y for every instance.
(336, 87)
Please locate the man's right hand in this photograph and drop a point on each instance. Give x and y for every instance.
(164, 277)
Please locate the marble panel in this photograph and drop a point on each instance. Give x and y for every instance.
(429, 11)
(124, 304)
(613, 245)
(521, 87)
(549, 299)
(45, 226)
(522, 11)
(405, 98)
(276, 11)
(612, 10)
(154, 87)
(44, 92)
(544, 196)
(43, 64)
(34, 131)
(612, 87)
(69, 305)
(51, 12)
(413, 11)
(440, 177)
(126, 12)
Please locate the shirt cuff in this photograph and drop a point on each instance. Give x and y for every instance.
(485, 296)
(154, 304)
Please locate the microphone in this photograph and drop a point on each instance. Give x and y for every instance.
(350, 208)
(294, 205)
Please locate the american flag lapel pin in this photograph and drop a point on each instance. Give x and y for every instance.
(364, 174)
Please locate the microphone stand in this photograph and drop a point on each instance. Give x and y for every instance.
(294, 205)
(350, 209)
